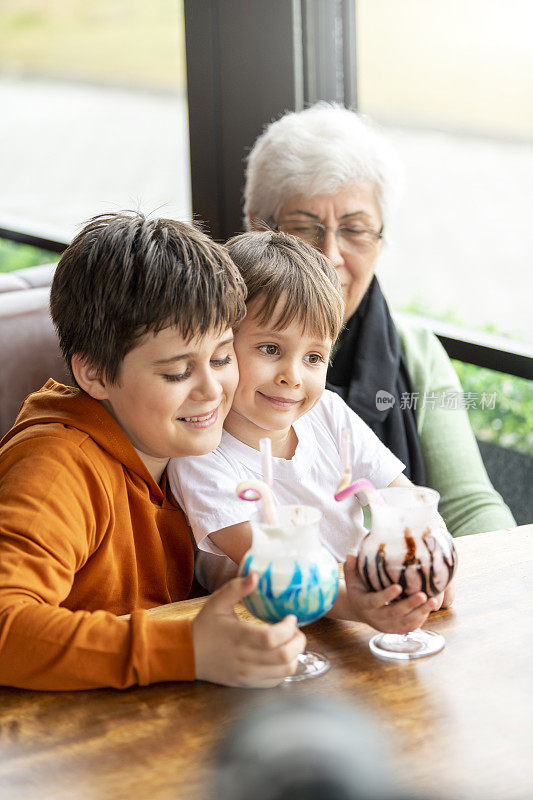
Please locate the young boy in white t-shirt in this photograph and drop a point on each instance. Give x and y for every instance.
(294, 315)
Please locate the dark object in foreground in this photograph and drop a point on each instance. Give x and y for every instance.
(304, 749)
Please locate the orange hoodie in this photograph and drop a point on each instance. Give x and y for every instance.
(86, 534)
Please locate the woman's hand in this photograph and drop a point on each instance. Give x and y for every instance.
(446, 598)
(376, 609)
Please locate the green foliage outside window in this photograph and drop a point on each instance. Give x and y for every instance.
(510, 422)
(17, 256)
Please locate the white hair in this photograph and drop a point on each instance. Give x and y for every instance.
(320, 150)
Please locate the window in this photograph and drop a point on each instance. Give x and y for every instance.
(452, 82)
(94, 116)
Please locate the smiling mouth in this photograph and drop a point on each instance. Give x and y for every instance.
(201, 421)
(280, 402)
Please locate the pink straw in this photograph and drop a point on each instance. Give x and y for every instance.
(365, 490)
(259, 490)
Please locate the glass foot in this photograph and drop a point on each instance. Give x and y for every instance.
(416, 644)
(310, 665)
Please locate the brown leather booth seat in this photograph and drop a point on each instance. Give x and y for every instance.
(29, 350)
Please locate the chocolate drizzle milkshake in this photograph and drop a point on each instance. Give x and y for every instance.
(410, 546)
(420, 556)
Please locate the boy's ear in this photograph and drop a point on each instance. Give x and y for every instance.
(89, 378)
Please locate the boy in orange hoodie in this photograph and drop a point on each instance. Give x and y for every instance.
(144, 310)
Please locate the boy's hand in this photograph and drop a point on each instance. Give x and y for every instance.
(376, 608)
(233, 652)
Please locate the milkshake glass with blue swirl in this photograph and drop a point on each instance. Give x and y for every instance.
(297, 574)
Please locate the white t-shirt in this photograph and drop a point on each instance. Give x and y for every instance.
(205, 485)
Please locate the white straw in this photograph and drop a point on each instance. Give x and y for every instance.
(269, 508)
(346, 453)
(259, 490)
(265, 446)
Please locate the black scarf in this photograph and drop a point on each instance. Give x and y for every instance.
(369, 370)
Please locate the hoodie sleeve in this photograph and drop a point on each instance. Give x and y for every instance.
(53, 509)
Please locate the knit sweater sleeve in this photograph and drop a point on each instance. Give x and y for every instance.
(469, 503)
(53, 510)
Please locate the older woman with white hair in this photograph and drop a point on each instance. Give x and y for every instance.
(329, 176)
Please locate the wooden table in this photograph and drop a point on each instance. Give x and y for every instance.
(461, 721)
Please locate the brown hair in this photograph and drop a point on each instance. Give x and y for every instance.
(125, 275)
(278, 265)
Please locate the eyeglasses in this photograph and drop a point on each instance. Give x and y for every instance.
(350, 237)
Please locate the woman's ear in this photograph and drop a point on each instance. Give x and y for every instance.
(89, 378)
(254, 222)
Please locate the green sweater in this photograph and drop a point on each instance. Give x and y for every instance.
(469, 503)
